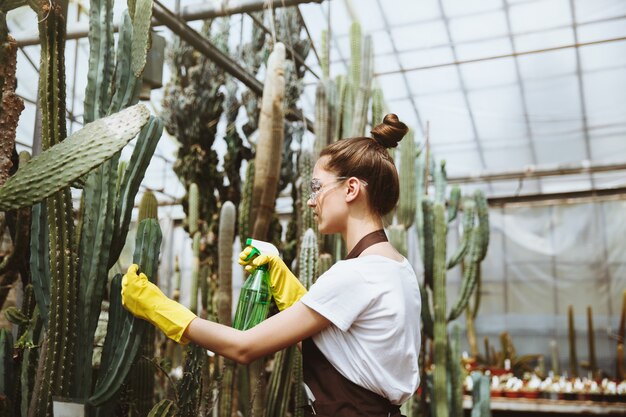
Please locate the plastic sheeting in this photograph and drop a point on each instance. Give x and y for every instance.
(542, 259)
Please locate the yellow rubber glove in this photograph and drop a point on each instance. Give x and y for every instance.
(285, 287)
(146, 301)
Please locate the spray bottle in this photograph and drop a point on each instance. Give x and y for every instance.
(255, 296)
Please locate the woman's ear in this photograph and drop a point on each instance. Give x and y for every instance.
(353, 190)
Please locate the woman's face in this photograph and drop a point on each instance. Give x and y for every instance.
(327, 199)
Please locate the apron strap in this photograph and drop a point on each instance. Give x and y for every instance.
(366, 241)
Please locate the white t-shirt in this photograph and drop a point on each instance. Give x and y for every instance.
(374, 305)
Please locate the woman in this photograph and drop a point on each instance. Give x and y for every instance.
(359, 323)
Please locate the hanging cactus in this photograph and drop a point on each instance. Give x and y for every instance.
(408, 188)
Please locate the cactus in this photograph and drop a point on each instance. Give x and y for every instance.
(8, 382)
(308, 259)
(469, 210)
(164, 408)
(124, 332)
(195, 235)
(356, 49)
(398, 238)
(245, 205)
(268, 159)
(481, 404)
(322, 115)
(306, 174)
(58, 166)
(378, 107)
(593, 364)
(554, 356)
(456, 373)
(408, 188)
(325, 262)
(621, 334)
(30, 341)
(224, 298)
(453, 203)
(428, 238)
(363, 88)
(440, 332)
(279, 387)
(190, 386)
(11, 105)
(573, 357)
(141, 378)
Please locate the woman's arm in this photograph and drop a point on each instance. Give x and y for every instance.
(277, 332)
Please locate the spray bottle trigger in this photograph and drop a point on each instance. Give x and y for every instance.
(254, 252)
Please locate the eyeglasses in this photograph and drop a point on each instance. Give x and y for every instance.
(317, 187)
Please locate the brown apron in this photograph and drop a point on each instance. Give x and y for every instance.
(336, 396)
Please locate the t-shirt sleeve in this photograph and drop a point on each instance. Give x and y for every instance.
(341, 295)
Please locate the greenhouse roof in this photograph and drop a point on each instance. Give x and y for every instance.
(503, 84)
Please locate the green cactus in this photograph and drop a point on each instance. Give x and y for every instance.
(408, 188)
(30, 356)
(573, 357)
(593, 364)
(378, 106)
(141, 379)
(224, 298)
(453, 203)
(440, 321)
(456, 373)
(245, 205)
(278, 393)
(325, 262)
(190, 386)
(306, 174)
(363, 89)
(195, 235)
(356, 49)
(271, 132)
(398, 238)
(164, 408)
(324, 56)
(322, 116)
(441, 180)
(8, 381)
(469, 212)
(308, 259)
(482, 211)
(428, 238)
(481, 393)
(58, 166)
(124, 332)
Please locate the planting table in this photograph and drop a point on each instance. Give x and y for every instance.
(502, 406)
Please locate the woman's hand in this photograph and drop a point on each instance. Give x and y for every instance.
(146, 301)
(285, 287)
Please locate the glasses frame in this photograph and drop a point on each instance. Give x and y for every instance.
(315, 194)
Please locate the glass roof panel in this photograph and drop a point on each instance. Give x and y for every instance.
(426, 57)
(464, 8)
(433, 80)
(544, 39)
(536, 15)
(603, 30)
(499, 115)
(410, 11)
(479, 26)
(589, 10)
(497, 72)
(547, 64)
(448, 116)
(423, 35)
(483, 49)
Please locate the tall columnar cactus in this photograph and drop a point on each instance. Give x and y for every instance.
(306, 174)
(8, 381)
(440, 322)
(141, 378)
(481, 404)
(554, 358)
(190, 386)
(195, 235)
(619, 370)
(124, 331)
(456, 373)
(363, 90)
(245, 229)
(571, 332)
(408, 188)
(325, 262)
(224, 298)
(378, 106)
(398, 238)
(593, 364)
(11, 105)
(164, 408)
(268, 155)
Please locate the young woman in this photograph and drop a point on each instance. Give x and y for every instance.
(359, 324)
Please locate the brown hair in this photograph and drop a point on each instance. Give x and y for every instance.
(367, 158)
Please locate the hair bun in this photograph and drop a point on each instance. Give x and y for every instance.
(390, 131)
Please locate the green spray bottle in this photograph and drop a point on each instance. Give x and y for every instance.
(254, 299)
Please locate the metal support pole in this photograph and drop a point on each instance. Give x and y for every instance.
(534, 171)
(189, 35)
(188, 13)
